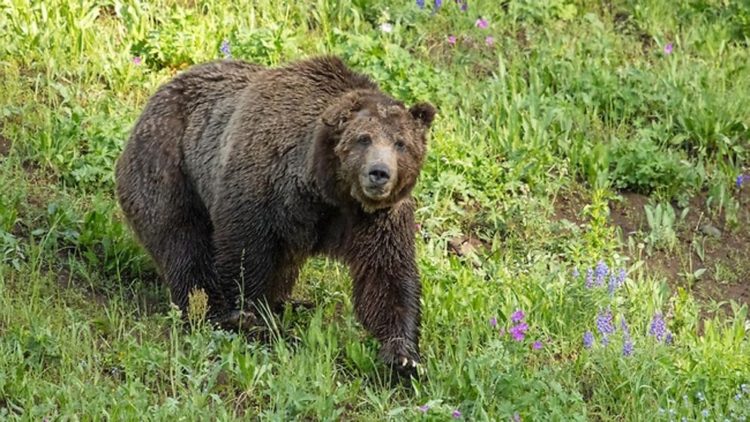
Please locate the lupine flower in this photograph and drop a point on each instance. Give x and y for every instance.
(225, 49)
(386, 27)
(493, 322)
(740, 180)
(668, 49)
(452, 39)
(518, 315)
(420, 3)
(137, 60)
(519, 331)
(604, 323)
(658, 327)
(464, 4)
(616, 281)
(456, 413)
(439, 3)
(490, 41)
(600, 272)
(589, 278)
(668, 338)
(624, 327)
(481, 23)
(627, 347)
(516, 417)
(537, 345)
(588, 339)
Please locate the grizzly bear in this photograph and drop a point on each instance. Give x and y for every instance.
(236, 173)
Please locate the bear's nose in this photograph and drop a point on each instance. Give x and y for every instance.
(379, 175)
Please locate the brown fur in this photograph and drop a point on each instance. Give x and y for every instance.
(235, 174)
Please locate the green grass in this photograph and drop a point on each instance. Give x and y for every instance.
(574, 97)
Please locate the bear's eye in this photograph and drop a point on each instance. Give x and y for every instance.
(364, 140)
(400, 145)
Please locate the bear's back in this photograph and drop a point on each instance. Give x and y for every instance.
(264, 130)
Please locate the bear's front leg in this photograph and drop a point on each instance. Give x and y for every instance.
(387, 288)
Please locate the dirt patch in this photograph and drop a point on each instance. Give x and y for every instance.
(568, 205)
(708, 256)
(629, 214)
(5, 145)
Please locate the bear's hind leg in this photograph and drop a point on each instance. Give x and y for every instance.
(171, 223)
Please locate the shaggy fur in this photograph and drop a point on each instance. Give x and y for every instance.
(235, 174)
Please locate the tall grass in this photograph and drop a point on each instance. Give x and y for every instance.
(572, 97)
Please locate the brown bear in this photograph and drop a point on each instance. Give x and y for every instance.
(235, 174)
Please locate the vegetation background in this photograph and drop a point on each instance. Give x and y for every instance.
(586, 169)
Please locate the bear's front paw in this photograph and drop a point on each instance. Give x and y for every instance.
(402, 360)
(236, 320)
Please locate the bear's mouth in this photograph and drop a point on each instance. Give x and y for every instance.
(376, 193)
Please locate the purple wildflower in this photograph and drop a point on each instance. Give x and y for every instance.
(668, 48)
(516, 316)
(137, 60)
(452, 39)
(424, 408)
(624, 327)
(439, 3)
(668, 338)
(490, 41)
(420, 3)
(493, 322)
(616, 280)
(576, 273)
(589, 278)
(464, 4)
(537, 345)
(588, 339)
(519, 331)
(658, 327)
(627, 347)
(600, 272)
(226, 49)
(456, 413)
(604, 323)
(516, 417)
(740, 180)
(481, 23)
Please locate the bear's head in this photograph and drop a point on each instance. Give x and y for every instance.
(370, 148)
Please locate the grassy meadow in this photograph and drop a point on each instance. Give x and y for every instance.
(589, 167)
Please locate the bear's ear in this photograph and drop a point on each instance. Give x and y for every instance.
(341, 111)
(423, 112)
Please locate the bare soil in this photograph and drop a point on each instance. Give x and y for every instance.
(704, 242)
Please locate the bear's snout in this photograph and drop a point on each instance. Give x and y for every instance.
(379, 175)
(379, 172)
